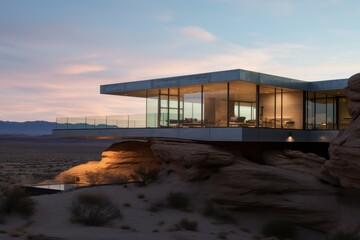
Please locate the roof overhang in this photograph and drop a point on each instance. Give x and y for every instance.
(139, 88)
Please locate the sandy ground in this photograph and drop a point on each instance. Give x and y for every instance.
(138, 222)
(32, 159)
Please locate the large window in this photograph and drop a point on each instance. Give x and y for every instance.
(152, 105)
(326, 110)
(191, 106)
(242, 104)
(215, 104)
(292, 109)
(281, 108)
(267, 107)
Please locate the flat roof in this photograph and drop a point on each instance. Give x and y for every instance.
(137, 88)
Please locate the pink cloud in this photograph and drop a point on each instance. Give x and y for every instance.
(81, 68)
(197, 33)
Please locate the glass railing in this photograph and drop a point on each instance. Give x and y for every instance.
(121, 121)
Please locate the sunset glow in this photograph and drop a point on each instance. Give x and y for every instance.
(54, 55)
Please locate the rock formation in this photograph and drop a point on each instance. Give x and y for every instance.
(290, 194)
(343, 168)
(118, 162)
(285, 186)
(295, 160)
(191, 160)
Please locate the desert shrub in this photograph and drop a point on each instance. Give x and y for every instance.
(156, 206)
(93, 209)
(280, 229)
(346, 236)
(143, 176)
(178, 200)
(185, 224)
(211, 210)
(13, 199)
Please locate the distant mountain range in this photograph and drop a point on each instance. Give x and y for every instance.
(27, 128)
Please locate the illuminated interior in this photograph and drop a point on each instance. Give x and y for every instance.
(244, 104)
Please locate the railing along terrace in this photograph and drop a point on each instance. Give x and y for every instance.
(121, 121)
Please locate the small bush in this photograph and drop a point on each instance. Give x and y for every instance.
(185, 224)
(93, 210)
(178, 200)
(211, 210)
(15, 200)
(127, 204)
(346, 236)
(156, 206)
(280, 229)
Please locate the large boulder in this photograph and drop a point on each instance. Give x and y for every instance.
(285, 186)
(295, 160)
(190, 160)
(284, 193)
(343, 168)
(119, 162)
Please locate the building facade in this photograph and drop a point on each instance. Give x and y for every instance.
(233, 100)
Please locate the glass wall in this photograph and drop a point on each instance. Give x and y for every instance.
(267, 103)
(292, 109)
(242, 104)
(152, 108)
(326, 110)
(281, 108)
(343, 113)
(190, 106)
(215, 97)
(208, 106)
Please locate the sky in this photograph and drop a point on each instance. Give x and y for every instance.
(55, 54)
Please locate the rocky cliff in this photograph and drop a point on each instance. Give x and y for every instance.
(343, 168)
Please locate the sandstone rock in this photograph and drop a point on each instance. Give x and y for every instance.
(295, 160)
(288, 188)
(190, 160)
(118, 162)
(354, 82)
(343, 168)
(293, 195)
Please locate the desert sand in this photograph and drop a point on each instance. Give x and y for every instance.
(32, 159)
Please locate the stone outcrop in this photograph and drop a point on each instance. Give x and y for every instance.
(118, 162)
(343, 168)
(190, 160)
(295, 160)
(286, 186)
(294, 195)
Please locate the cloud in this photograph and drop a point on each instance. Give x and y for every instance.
(81, 68)
(197, 33)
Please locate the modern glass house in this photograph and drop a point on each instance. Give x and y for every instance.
(234, 105)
